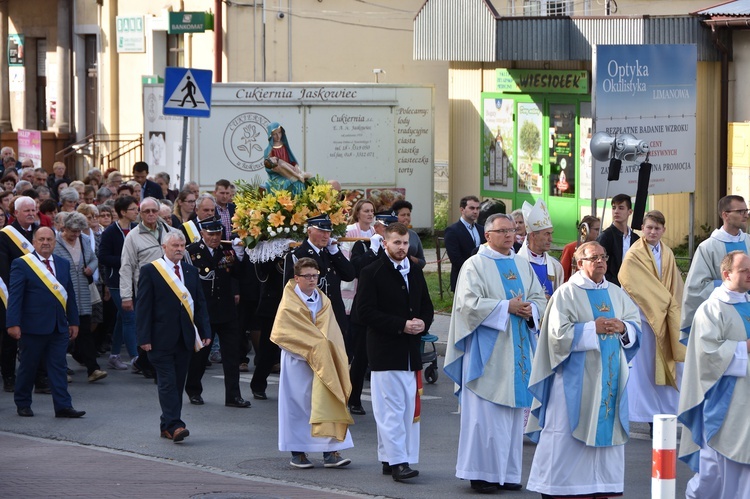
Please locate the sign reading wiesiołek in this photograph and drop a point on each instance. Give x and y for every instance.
(648, 91)
(30, 146)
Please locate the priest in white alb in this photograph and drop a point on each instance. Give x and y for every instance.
(591, 330)
(496, 311)
(704, 274)
(536, 246)
(715, 393)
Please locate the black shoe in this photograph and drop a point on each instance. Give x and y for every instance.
(237, 402)
(196, 400)
(386, 468)
(69, 412)
(511, 486)
(259, 395)
(43, 388)
(484, 487)
(357, 409)
(148, 373)
(25, 412)
(69, 371)
(9, 384)
(402, 471)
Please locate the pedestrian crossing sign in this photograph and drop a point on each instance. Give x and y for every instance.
(187, 92)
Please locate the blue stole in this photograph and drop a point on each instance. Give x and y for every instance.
(731, 246)
(715, 403)
(609, 347)
(523, 343)
(738, 246)
(541, 273)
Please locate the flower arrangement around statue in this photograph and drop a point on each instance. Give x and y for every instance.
(267, 221)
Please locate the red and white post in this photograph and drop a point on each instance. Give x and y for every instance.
(664, 457)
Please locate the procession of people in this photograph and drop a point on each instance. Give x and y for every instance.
(567, 355)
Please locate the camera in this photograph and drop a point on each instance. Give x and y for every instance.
(280, 15)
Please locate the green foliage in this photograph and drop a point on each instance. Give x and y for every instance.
(441, 211)
(530, 139)
(698, 237)
(446, 304)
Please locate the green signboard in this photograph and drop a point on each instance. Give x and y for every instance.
(549, 81)
(15, 50)
(190, 22)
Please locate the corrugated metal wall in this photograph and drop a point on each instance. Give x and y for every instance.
(454, 30)
(466, 30)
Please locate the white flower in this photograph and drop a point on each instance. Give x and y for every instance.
(286, 229)
(304, 230)
(294, 228)
(273, 233)
(270, 229)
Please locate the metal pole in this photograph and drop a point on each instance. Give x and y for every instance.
(183, 153)
(691, 221)
(664, 457)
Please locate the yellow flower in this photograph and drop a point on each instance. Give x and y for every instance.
(256, 216)
(285, 200)
(255, 231)
(276, 219)
(324, 207)
(337, 218)
(298, 218)
(242, 233)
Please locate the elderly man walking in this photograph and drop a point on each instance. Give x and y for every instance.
(496, 313)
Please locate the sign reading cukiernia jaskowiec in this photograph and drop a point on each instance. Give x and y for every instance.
(648, 91)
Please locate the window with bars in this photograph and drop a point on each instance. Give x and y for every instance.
(532, 8)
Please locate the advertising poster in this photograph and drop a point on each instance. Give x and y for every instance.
(497, 144)
(30, 146)
(648, 91)
(529, 148)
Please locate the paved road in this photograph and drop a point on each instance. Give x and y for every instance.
(230, 451)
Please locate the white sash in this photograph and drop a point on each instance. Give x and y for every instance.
(3, 293)
(182, 294)
(19, 239)
(192, 231)
(49, 280)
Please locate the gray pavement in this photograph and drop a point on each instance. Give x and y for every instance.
(115, 450)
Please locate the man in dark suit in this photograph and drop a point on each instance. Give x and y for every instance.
(15, 242)
(224, 208)
(42, 316)
(171, 320)
(618, 237)
(394, 302)
(149, 188)
(463, 237)
(334, 267)
(363, 254)
(219, 269)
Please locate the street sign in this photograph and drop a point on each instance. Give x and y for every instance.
(190, 22)
(187, 92)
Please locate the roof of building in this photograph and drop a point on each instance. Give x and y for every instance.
(733, 8)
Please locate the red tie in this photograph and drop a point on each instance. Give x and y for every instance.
(177, 271)
(49, 267)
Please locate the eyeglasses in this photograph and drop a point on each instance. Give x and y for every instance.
(149, 211)
(595, 258)
(503, 231)
(741, 212)
(309, 277)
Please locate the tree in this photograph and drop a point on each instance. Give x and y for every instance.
(530, 139)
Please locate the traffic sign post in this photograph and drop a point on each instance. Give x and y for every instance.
(187, 93)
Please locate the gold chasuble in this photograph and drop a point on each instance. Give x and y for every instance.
(659, 301)
(322, 346)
